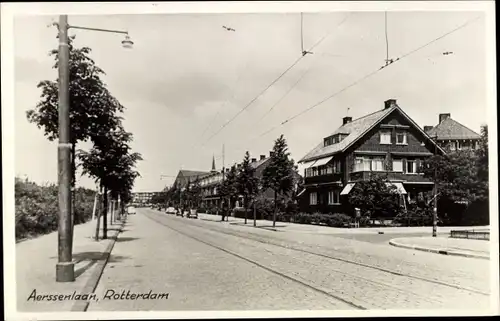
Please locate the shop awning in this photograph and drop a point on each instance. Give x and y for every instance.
(322, 161)
(347, 188)
(399, 186)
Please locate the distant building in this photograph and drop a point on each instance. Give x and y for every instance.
(210, 183)
(386, 143)
(142, 197)
(453, 136)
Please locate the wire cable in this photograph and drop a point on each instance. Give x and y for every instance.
(283, 97)
(276, 80)
(370, 75)
(233, 90)
(386, 41)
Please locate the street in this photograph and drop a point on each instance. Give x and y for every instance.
(210, 265)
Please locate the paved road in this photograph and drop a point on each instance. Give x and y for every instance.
(206, 265)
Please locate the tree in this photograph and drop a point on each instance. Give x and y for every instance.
(375, 198)
(93, 110)
(111, 164)
(229, 188)
(280, 174)
(194, 194)
(246, 183)
(482, 165)
(456, 176)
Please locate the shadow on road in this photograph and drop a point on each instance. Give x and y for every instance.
(265, 227)
(117, 258)
(126, 239)
(85, 260)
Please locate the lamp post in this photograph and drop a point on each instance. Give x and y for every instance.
(65, 268)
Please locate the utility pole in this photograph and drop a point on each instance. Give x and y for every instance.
(434, 216)
(65, 268)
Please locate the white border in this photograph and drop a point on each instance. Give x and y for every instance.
(9, 10)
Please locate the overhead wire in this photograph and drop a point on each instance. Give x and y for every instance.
(368, 75)
(233, 90)
(272, 83)
(304, 74)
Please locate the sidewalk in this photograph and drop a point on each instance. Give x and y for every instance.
(36, 261)
(479, 249)
(326, 230)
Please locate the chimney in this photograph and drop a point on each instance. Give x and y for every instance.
(271, 153)
(427, 128)
(262, 157)
(390, 103)
(346, 120)
(443, 117)
(254, 160)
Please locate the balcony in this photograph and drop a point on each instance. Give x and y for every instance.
(393, 176)
(322, 179)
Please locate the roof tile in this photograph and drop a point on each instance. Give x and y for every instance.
(451, 129)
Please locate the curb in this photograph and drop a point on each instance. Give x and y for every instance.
(437, 251)
(93, 281)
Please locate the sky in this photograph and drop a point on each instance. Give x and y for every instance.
(187, 77)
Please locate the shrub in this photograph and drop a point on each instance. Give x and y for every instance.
(415, 216)
(36, 208)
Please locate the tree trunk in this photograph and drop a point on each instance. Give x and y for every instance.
(275, 207)
(245, 208)
(98, 223)
(105, 215)
(254, 214)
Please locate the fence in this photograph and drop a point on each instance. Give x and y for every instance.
(473, 234)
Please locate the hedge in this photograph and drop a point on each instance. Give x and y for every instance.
(36, 208)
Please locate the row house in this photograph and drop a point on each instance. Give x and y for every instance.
(210, 182)
(452, 135)
(387, 143)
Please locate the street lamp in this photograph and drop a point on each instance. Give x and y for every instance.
(65, 268)
(434, 211)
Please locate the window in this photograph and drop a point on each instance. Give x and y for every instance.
(459, 146)
(453, 146)
(377, 164)
(401, 138)
(313, 198)
(315, 171)
(368, 164)
(385, 137)
(333, 197)
(411, 166)
(397, 165)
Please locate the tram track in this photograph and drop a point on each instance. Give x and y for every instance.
(354, 305)
(349, 274)
(369, 266)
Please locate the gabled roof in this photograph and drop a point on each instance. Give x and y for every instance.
(356, 129)
(188, 173)
(451, 129)
(258, 163)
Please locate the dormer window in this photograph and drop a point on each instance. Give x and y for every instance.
(337, 138)
(401, 138)
(385, 137)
